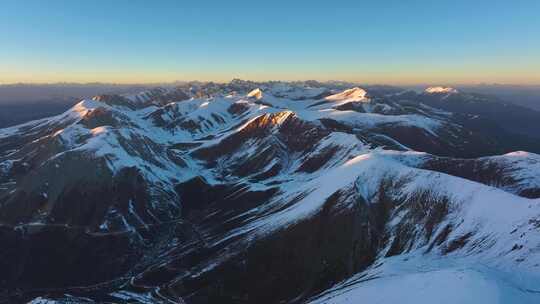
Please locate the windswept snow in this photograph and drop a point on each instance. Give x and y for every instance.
(85, 106)
(350, 95)
(418, 279)
(522, 167)
(487, 212)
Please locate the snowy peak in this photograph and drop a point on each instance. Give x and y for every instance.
(441, 90)
(520, 154)
(276, 119)
(257, 94)
(354, 94)
(86, 105)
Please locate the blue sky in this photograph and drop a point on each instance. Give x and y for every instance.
(384, 41)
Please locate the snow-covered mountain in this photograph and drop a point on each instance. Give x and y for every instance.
(271, 192)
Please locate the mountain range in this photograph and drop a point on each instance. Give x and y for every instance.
(273, 192)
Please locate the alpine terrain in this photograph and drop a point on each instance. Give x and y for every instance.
(273, 192)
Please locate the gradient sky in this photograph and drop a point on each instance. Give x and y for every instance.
(384, 41)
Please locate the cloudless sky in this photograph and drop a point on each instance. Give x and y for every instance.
(384, 41)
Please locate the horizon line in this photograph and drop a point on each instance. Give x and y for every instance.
(174, 82)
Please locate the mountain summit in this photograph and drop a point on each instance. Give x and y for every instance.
(256, 93)
(441, 90)
(354, 94)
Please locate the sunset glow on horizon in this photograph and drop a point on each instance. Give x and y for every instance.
(418, 42)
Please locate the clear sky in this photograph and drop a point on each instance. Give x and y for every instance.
(383, 41)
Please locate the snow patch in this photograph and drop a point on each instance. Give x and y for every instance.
(441, 90)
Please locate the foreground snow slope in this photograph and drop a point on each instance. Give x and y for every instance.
(426, 279)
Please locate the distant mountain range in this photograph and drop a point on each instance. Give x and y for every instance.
(44, 100)
(273, 192)
(20, 103)
(522, 95)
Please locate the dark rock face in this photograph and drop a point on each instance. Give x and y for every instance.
(485, 171)
(312, 254)
(115, 100)
(301, 260)
(32, 255)
(51, 257)
(95, 194)
(508, 125)
(315, 162)
(174, 96)
(237, 108)
(99, 117)
(273, 137)
(39, 184)
(467, 145)
(512, 118)
(426, 210)
(351, 106)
